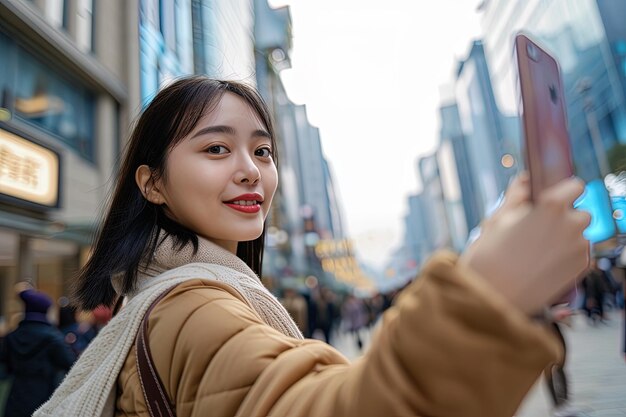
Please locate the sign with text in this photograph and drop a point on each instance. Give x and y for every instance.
(28, 171)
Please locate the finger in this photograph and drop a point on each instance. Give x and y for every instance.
(518, 191)
(583, 218)
(563, 194)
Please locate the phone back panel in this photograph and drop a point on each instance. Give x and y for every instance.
(548, 149)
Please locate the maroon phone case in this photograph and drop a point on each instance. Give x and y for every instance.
(547, 144)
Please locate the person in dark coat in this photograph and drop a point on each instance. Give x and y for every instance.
(77, 335)
(36, 355)
(595, 285)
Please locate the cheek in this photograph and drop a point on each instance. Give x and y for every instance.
(190, 188)
(272, 182)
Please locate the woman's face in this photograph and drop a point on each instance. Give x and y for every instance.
(221, 178)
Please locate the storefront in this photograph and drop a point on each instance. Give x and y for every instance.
(33, 246)
(65, 104)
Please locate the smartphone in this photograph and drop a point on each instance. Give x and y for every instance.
(547, 145)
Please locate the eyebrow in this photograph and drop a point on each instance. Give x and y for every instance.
(229, 131)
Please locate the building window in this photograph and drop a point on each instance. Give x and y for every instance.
(84, 25)
(5, 51)
(53, 11)
(47, 99)
(168, 23)
(620, 47)
(149, 13)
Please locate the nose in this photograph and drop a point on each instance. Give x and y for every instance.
(248, 172)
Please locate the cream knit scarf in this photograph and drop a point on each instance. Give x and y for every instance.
(89, 388)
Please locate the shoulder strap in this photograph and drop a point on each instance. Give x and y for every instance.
(153, 390)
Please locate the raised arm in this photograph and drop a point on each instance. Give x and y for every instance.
(451, 346)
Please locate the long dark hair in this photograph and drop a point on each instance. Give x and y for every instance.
(131, 226)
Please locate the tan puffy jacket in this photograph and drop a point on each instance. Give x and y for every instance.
(450, 347)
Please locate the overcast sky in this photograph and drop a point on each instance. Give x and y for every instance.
(370, 74)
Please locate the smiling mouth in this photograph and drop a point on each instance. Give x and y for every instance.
(245, 206)
(245, 202)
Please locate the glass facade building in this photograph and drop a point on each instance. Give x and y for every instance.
(481, 126)
(223, 39)
(181, 37)
(48, 98)
(587, 41)
(456, 177)
(166, 47)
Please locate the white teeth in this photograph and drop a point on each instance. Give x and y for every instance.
(245, 202)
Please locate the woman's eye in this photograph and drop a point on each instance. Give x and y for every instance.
(217, 149)
(264, 152)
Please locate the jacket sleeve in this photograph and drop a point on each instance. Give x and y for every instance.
(450, 347)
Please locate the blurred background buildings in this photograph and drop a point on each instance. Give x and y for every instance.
(480, 146)
(76, 73)
(69, 83)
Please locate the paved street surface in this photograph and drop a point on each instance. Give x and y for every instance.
(596, 370)
(595, 366)
(346, 343)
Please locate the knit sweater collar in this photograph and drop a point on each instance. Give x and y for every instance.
(169, 255)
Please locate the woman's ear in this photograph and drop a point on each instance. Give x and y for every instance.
(147, 185)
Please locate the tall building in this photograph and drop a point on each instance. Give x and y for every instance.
(487, 147)
(314, 173)
(223, 39)
(181, 37)
(586, 37)
(433, 208)
(69, 88)
(335, 208)
(613, 14)
(286, 253)
(166, 46)
(416, 238)
(460, 197)
(306, 209)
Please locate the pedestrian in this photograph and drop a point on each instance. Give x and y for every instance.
(555, 375)
(354, 317)
(296, 306)
(327, 312)
(595, 286)
(77, 334)
(186, 223)
(36, 356)
(101, 316)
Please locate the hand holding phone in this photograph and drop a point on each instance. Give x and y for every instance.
(546, 137)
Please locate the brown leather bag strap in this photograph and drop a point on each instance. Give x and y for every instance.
(153, 390)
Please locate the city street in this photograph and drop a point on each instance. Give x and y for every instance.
(595, 366)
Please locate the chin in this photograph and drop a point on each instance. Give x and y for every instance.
(247, 235)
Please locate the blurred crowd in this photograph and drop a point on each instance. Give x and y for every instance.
(35, 356)
(323, 313)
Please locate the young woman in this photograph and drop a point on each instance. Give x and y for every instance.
(188, 213)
